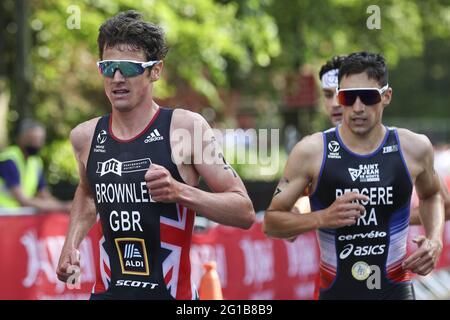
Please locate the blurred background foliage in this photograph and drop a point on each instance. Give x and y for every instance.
(218, 47)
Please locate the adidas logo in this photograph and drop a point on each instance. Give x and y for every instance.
(154, 136)
(131, 252)
(354, 173)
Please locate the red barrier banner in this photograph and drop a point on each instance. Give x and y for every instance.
(250, 265)
(253, 266)
(29, 252)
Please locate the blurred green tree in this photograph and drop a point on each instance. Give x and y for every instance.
(221, 45)
(204, 37)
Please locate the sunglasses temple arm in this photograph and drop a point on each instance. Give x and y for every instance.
(150, 63)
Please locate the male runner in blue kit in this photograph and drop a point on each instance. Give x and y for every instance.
(145, 201)
(328, 76)
(362, 174)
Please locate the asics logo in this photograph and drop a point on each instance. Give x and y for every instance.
(361, 251)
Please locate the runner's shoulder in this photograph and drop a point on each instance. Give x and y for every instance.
(81, 135)
(414, 144)
(188, 120)
(309, 148)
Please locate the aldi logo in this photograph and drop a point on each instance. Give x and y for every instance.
(133, 256)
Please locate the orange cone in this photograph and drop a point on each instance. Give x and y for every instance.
(210, 288)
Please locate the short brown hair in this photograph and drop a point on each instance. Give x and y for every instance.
(128, 28)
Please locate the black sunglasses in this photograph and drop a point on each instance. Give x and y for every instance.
(368, 96)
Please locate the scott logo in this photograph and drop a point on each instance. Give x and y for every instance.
(135, 284)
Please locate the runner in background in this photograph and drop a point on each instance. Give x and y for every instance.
(362, 174)
(22, 182)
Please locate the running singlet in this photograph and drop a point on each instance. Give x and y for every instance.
(363, 261)
(144, 245)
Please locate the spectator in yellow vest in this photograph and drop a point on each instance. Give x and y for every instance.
(22, 182)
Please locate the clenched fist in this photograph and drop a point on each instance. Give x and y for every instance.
(161, 185)
(68, 261)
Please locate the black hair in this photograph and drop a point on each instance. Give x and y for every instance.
(334, 63)
(373, 64)
(128, 28)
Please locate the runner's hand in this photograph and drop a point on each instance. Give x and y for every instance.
(344, 211)
(425, 258)
(68, 258)
(161, 185)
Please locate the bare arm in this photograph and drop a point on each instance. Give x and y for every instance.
(301, 206)
(431, 210)
(228, 204)
(414, 217)
(415, 214)
(44, 193)
(446, 197)
(38, 202)
(280, 222)
(430, 201)
(82, 215)
(47, 196)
